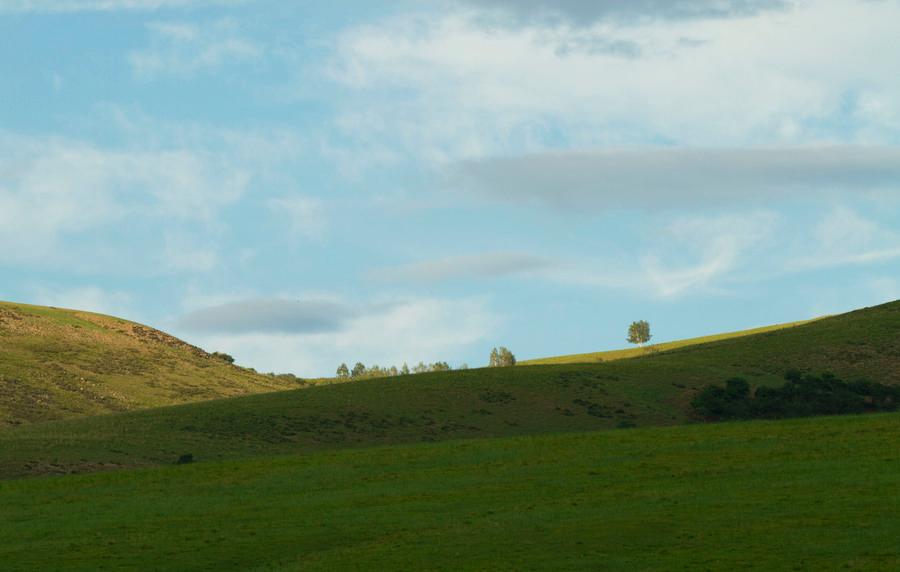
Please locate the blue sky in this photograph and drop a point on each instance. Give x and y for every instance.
(301, 184)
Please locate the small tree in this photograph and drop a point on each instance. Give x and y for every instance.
(501, 358)
(359, 370)
(405, 369)
(639, 333)
(222, 356)
(343, 371)
(440, 366)
(494, 359)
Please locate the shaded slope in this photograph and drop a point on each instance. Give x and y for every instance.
(628, 353)
(812, 494)
(653, 390)
(58, 363)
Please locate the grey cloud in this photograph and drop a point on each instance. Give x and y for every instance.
(590, 11)
(664, 178)
(487, 265)
(270, 316)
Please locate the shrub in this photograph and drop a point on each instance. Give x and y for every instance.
(222, 356)
(800, 396)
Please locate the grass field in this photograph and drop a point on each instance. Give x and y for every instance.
(57, 364)
(628, 353)
(812, 494)
(496, 402)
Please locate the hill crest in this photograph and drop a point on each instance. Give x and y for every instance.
(57, 363)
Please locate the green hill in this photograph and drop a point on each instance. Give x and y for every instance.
(57, 364)
(628, 353)
(652, 390)
(811, 494)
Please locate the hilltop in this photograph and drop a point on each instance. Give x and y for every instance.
(652, 390)
(57, 364)
(628, 353)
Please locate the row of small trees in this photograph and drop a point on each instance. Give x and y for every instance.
(638, 333)
(360, 370)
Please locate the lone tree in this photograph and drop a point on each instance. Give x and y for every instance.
(639, 333)
(342, 371)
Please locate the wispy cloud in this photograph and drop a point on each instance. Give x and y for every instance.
(478, 266)
(184, 49)
(305, 216)
(844, 237)
(56, 188)
(62, 6)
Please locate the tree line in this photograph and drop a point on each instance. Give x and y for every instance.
(800, 396)
(361, 371)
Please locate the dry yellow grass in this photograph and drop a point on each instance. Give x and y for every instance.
(57, 364)
(613, 355)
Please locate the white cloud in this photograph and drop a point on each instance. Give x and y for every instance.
(386, 331)
(53, 189)
(442, 88)
(305, 216)
(63, 6)
(182, 49)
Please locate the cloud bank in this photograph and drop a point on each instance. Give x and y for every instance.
(269, 316)
(678, 177)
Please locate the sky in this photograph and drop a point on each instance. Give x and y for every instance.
(301, 184)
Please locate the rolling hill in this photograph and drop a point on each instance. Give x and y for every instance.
(628, 353)
(810, 494)
(57, 364)
(494, 402)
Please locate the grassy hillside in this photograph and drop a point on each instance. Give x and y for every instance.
(596, 357)
(652, 390)
(813, 494)
(58, 363)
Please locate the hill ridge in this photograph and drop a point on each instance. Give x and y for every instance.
(59, 363)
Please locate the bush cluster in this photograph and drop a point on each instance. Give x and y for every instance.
(800, 396)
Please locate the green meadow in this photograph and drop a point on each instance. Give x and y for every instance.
(811, 494)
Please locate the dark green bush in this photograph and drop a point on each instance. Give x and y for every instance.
(800, 396)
